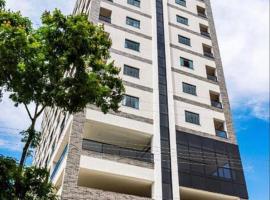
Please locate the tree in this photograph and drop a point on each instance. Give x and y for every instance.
(63, 63)
(28, 183)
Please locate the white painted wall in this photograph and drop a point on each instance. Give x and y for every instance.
(206, 117)
(203, 88)
(194, 22)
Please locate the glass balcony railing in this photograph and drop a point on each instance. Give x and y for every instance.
(216, 104)
(59, 162)
(99, 147)
(208, 54)
(105, 18)
(222, 134)
(202, 15)
(212, 78)
(204, 33)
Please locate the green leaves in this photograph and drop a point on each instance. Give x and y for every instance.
(29, 183)
(63, 63)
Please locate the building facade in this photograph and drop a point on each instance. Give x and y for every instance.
(173, 137)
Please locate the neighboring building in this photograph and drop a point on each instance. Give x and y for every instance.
(173, 137)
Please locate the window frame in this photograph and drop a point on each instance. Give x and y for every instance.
(130, 105)
(132, 43)
(182, 60)
(184, 40)
(192, 89)
(132, 2)
(196, 122)
(184, 20)
(131, 21)
(181, 2)
(130, 74)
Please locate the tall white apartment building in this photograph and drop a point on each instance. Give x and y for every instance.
(173, 137)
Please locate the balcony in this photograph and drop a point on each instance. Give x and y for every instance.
(216, 104)
(90, 145)
(222, 134)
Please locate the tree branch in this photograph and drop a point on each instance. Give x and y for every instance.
(41, 110)
(28, 112)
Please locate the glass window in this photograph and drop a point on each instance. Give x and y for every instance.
(181, 2)
(136, 3)
(132, 45)
(133, 22)
(192, 117)
(182, 20)
(186, 63)
(189, 89)
(131, 71)
(130, 101)
(184, 40)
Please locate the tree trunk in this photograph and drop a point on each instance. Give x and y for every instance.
(28, 142)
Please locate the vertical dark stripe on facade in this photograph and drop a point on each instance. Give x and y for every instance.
(167, 193)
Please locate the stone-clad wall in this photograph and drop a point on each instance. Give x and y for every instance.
(220, 74)
(71, 190)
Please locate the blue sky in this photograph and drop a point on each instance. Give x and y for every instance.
(243, 33)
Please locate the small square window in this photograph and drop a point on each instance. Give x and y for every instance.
(133, 22)
(184, 40)
(131, 71)
(129, 44)
(182, 20)
(130, 101)
(193, 118)
(181, 2)
(189, 89)
(136, 3)
(186, 63)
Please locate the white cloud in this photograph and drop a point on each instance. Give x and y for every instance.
(243, 32)
(33, 8)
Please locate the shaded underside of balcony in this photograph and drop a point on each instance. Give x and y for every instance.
(114, 183)
(194, 194)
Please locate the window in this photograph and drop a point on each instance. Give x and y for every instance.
(133, 22)
(132, 45)
(186, 63)
(181, 2)
(224, 172)
(189, 89)
(204, 30)
(105, 15)
(220, 129)
(184, 40)
(136, 3)
(182, 20)
(192, 117)
(131, 71)
(130, 101)
(201, 11)
(207, 51)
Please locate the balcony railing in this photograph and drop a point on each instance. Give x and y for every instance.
(216, 104)
(204, 33)
(99, 147)
(59, 162)
(212, 78)
(105, 18)
(222, 134)
(202, 15)
(208, 54)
